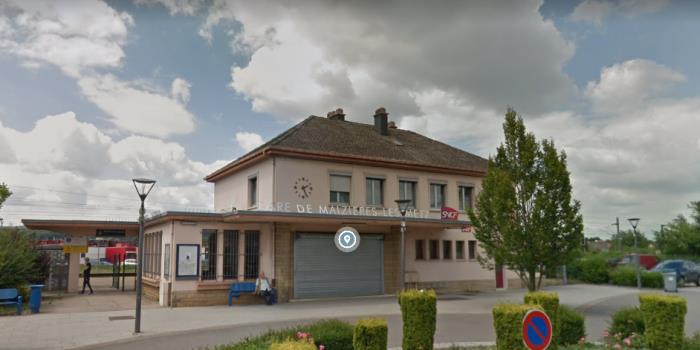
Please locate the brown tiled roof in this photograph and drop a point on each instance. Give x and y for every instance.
(317, 135)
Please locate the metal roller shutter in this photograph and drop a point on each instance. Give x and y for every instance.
(321, 270)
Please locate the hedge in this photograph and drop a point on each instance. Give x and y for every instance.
(370, 334)
(293, 345)
(334, 334)
(508, 323)
(550, 304)
(627, 276)
(418, 309)
(627, 321)
(664, 320)
(590, 270)
(572, 326)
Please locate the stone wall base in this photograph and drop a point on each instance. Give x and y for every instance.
(211, 298)
(150, 292)
(465, 286)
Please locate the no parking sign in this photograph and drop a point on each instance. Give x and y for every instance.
(537, 330)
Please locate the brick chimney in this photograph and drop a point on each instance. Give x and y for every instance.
(381, 118)
(336, 115)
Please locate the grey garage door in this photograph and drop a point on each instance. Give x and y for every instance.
(321, 270)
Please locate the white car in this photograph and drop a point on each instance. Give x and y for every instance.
(130, 262)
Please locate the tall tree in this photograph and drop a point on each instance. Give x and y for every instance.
(525, 218)
(4, 193)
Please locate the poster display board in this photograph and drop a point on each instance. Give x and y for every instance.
(187, 261)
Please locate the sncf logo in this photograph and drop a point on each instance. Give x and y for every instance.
(449, 214)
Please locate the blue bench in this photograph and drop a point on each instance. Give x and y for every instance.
(239, 287)
(11, 297)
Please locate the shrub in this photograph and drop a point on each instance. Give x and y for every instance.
(370, 334)
(16, 259)
(293, 345)
(692, 343)
(591, 270)
(550, 304)
(508, 323)
(572, 326)
(418, 309)
(626, 322)
(627, 276)
(334, 334)
(664, 320)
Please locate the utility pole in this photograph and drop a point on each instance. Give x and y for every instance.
(619, 239)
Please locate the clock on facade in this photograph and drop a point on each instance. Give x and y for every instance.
(303, 188)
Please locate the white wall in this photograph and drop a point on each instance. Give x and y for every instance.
(232, 191)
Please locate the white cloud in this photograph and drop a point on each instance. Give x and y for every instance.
(595, 11)
(136, 109)
(628, 85)
(70, 34)
(180, 90)
(248, 140)
(365, 56)
(176, 7)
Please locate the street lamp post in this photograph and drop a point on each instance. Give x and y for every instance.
(634, 222)
(143, 188)
(403, 206)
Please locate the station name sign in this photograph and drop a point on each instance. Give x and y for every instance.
(287, 207)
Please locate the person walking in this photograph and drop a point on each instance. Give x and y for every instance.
(86, 275)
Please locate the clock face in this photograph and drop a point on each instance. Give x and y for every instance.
(303, 188)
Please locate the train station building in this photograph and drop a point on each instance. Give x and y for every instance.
(277, 210)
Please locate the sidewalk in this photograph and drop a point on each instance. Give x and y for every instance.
(78, 329)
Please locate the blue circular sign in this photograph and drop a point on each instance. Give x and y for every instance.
(347, 239)
(537, 330)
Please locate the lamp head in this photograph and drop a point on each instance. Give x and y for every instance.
(403, 205)
(143, 187)
(634, 222)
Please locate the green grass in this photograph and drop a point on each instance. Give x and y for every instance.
(106, 268)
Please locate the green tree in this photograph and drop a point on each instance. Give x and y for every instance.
(525, 218)
(17, 259)
(4, 193)
(626, 240)
(681, 236)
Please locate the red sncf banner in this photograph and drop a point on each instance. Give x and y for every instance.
(449, 214)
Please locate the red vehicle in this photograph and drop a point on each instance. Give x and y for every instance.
(646, 261)
(114, 253)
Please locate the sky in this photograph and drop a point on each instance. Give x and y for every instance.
(94, 93)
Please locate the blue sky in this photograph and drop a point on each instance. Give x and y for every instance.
(614, 83)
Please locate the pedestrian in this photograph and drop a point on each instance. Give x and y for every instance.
(86, 275)
(262, 287)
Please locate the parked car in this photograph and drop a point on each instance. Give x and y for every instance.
(686, 271)
(646, 261)
(130, 262)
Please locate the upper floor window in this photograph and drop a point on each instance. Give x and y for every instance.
(253, 191)
(437, 196)
(465, 197)
(407, 190)
(340, 189)
(375, 191)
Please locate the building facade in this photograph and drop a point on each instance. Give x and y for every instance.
(277, 210)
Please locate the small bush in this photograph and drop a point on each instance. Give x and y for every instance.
(508, 323)
(572, 326)
(370, 334)
(550, 304)
(418, 309)
(626, 322)
(293, 345)
(692, 343)
(590, 270)
(664, 320)
(627, 276)
(334, 334)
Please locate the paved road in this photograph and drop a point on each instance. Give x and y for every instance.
(460, 319)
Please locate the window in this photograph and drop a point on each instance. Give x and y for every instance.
(151, 254)
(253, 191)
(340, 189)
(465, 197)
(407, 190)
(252, 255)
(230, 254)
(166, 261)
(434, 250)
(459, 250)
(208, 254)
(420, 249)
(375, 191)
(472, 250)
(447, 250)
(437, 196)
